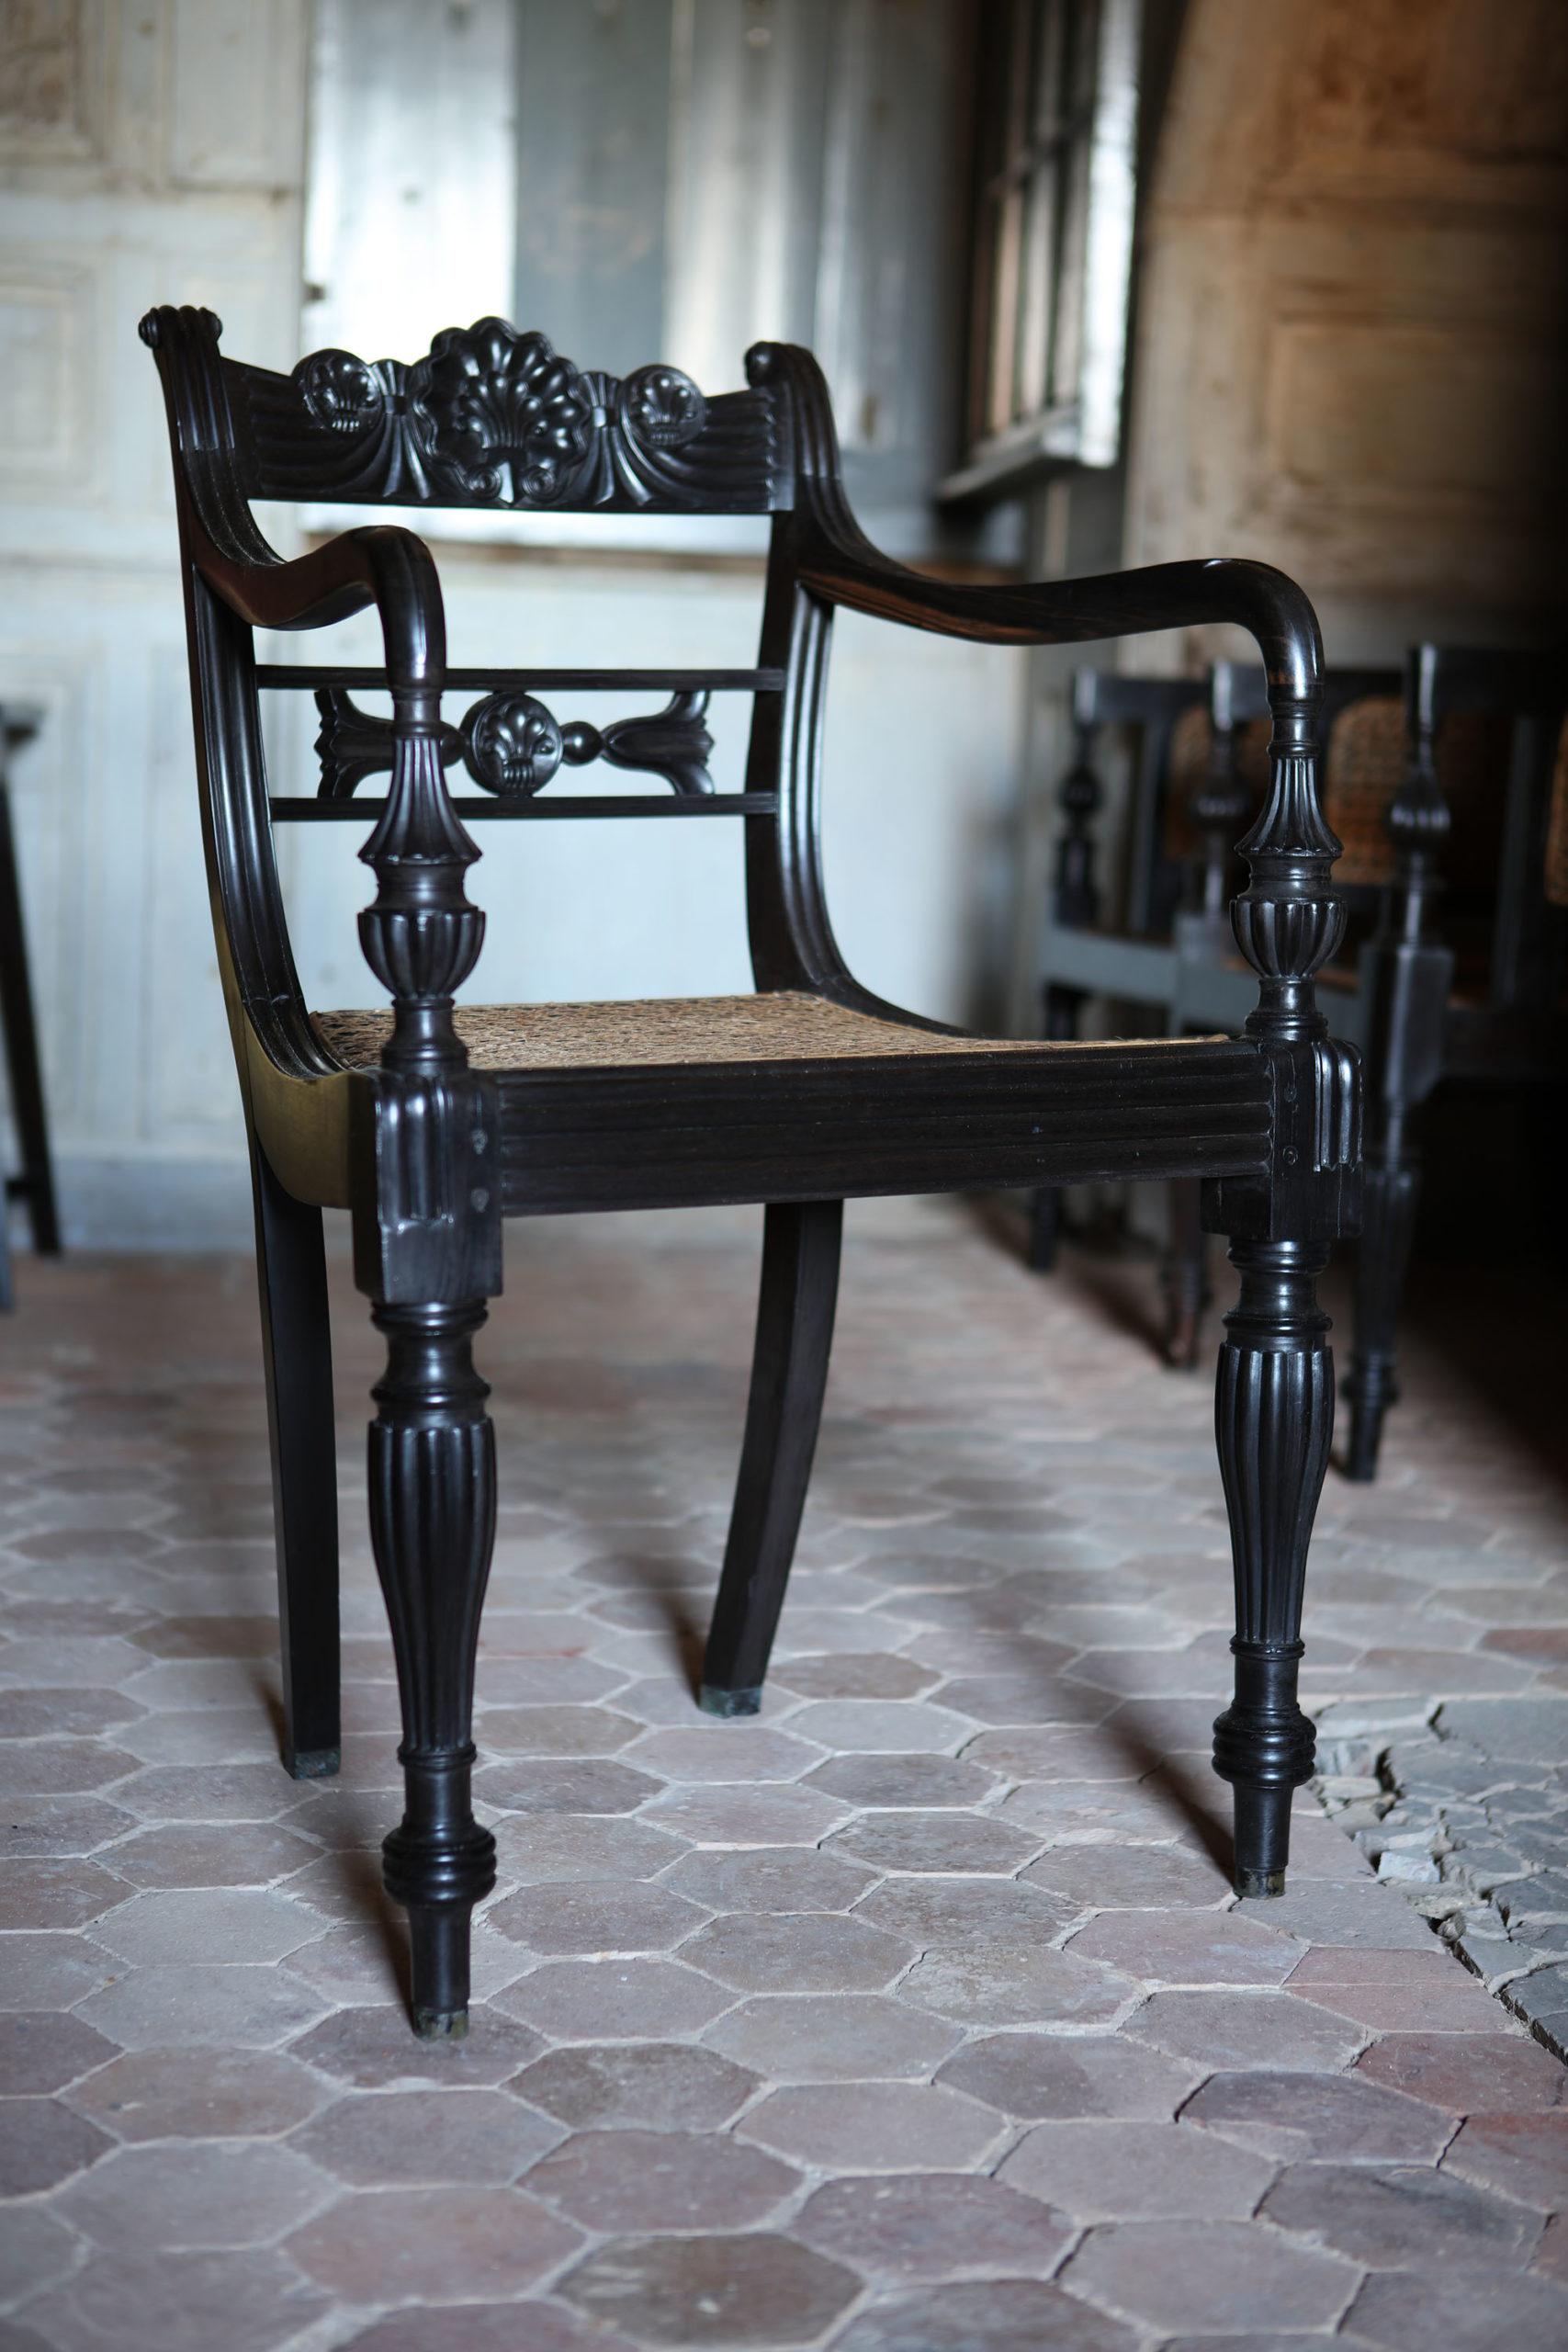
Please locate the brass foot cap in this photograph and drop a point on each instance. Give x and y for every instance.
(441, 2025)
(729, 1702)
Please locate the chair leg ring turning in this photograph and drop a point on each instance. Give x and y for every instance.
(1264, 1746)
(439, 1863)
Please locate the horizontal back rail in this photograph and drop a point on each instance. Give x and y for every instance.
(289, 808)
(283, 676)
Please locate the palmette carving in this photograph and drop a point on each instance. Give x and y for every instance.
(363, 405)
(340, 392)
(513, 745)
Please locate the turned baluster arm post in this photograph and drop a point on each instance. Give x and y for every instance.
(427, 1250)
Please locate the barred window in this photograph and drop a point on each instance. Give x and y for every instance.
(1055, 159)
(659, 180)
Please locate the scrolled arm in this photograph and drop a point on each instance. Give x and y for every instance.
(1266, 602)
(380, 564)
(1287, 920)
(420, 936)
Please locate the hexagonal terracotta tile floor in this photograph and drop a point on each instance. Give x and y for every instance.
(915, 2016)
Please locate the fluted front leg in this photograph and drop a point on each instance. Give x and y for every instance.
(1274, 1417)
(432, 1525)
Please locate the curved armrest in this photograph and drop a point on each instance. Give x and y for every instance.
(380, 564)
(1061, 612)
(1287, 920)
(839, 565)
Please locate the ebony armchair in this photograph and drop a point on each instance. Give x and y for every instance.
(432, 1122)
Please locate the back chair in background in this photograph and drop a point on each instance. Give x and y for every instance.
(1463, 978)
(1165, 944)
(1447, 786)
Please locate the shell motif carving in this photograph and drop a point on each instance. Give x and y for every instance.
(506, 418)
(515, 745)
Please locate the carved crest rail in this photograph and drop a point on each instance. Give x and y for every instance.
(492, 416)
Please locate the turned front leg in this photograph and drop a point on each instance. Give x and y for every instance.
(1274, 1417)
(432, 1526)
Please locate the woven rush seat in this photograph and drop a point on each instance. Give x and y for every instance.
(786, 1095)
(781, 1025)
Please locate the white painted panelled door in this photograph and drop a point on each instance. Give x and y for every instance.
(148, 153)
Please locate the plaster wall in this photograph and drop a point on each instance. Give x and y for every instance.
(154, 153)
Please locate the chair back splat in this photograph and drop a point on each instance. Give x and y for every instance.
(429, 1122)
